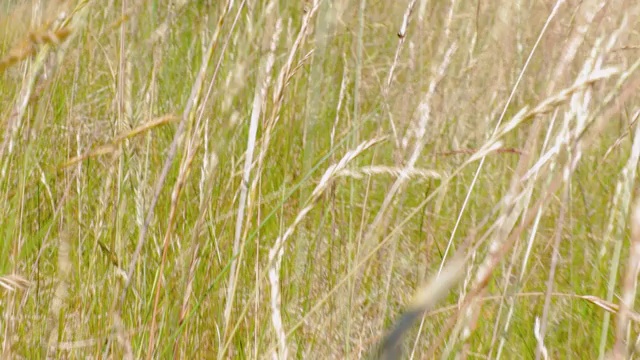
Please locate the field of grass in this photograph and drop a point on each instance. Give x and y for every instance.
(319, 179)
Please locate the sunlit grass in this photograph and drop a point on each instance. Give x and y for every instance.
(259, 179)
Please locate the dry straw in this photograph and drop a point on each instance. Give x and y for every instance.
(276, 252)
(14, 282)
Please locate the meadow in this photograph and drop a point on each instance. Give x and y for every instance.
(319, 179)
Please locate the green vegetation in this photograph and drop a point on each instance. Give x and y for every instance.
(286, 179)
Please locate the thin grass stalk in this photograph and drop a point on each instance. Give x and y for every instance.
(188, 113)
(205, 185)
(208, 175)
(185, 169)
(498, 248)
(287, 71)
(498, 125)
(192, 146)
(258, 104)
(402, 34)
(617, 220)
(259, 97)
(352, 236)
(280, 85)
(284, 76)
(570, 49)
(527, 253)
(541, 323)
(625, 187)
(341, 96)
(421, 124)
(629, 283)
(525, 113)
(578, 111)
(276, 252)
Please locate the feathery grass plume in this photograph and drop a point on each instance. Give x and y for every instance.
(41, 43)
(495, 131)
(498, 251)
(276, 252)
(14, 282)
(362, 172)
(417, 136)
(29, 46)
(511, 303)
(579, 108)
(562, 139)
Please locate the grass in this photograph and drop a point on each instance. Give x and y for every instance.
(319, 179)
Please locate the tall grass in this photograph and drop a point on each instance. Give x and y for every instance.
(319, 179)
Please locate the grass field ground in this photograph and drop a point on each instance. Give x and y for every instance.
(319, 179)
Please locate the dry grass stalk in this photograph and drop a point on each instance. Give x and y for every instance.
(532, 236)
(498, 245)
(538, 333)
(341, 96)
(190, 107)
(35, 40)
(285, 74)
(497, 133)
(195, 247)
(185, 170)
(192, 145)
(276, 252)
(188, 116)
(41, 65)
(113, 144)
(630, 279)
(259, 97)
(14, 282)
(416, 136)
(620, 208)
(577, 114)
(373, 170)
(402, 33)
(282, 81)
